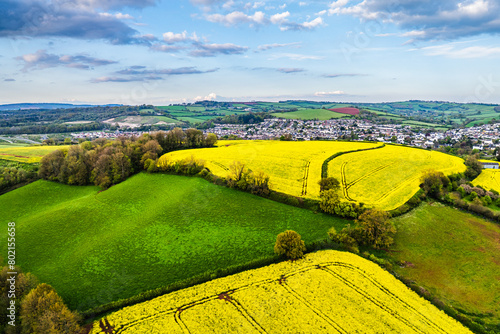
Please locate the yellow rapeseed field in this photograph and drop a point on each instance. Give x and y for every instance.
(489, 179)
(327, 292)
(388, 177)
(28, 154)
(294, 167)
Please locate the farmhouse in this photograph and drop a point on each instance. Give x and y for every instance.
(490, 165)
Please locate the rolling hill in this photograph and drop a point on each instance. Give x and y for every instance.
(147, 232)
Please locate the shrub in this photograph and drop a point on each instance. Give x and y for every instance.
(329, 183)
(433, 183)
(290, 244)
(375, 229)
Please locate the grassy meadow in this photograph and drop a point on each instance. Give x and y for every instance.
(452, 254)
(308, 114)
(388, 177)
(293, 167)
(327, 292)
(147, 232)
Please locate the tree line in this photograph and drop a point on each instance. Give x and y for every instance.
(105, 162)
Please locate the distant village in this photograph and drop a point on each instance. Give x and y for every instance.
(484, 137)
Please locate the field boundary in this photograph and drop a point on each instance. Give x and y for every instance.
(324, 166)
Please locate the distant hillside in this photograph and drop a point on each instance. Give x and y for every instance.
(24, 106)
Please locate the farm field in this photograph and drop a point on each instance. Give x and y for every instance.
(327, 292)
(347, 111)
(146, 232)
(26, 154)
(488, 179)
(294, 167)
(137, 121)
(454, 255)
(388, 177)
(308, 114)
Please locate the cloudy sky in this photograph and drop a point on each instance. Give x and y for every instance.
(163, 51)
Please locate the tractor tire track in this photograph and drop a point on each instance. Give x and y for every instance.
(319, 313)
(305, 177)
(177, 311)
(386, 291)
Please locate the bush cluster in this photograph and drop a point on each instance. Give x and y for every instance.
(372, 228)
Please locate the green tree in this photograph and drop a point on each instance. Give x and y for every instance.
(43, 312)
(210, 140)
(24, 282)
(290, 244)
(346, 237)
(329, 183)
(375, 229)
(433, 183)
(474, 167)
(236, 170)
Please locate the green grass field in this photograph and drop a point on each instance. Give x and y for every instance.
(305, 114)
(454, 255)
(144, 233)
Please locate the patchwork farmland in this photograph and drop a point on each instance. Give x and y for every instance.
(327, 292)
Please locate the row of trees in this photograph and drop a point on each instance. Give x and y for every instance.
(12, 176)
(106, 162)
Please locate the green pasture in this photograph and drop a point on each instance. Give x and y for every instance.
(306, 114)
(452, 254)
(149, 231)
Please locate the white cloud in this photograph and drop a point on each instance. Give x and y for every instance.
(265, 47)
(211, 50)
(209, 97)
(336, 92)
(236, 17)
(313, 24)
(228, 5)
(451, 51)
(295, 56)
(307, 25)
(444, 19)
(118, 16)
(279, 18)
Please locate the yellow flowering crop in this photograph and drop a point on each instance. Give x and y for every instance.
(388, 177)
(489, 179)
(326, 292)
(293, 167)
(29, 154)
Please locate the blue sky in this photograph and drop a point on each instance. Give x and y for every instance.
(162, 52)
